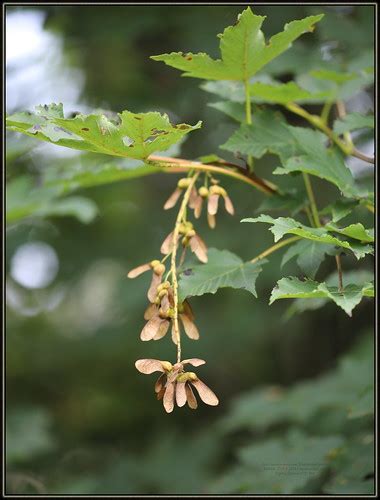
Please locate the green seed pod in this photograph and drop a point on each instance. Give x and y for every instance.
(184, 183)
(203, 191)
(183, 377)
(166, 365)
(217, 190)
(182, 228)
(159, 269)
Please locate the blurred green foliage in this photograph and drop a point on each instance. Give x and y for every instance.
(296, 412)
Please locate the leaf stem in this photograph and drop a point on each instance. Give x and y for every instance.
(309, 216)
(248, 117)
(248, 110)
(165, 258)
(340, 272)
(173, 265)
(311, 197)
(326, 112)
(275, 247)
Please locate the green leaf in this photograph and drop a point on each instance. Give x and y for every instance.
(25, 200)
(301, 59)
(229, 90)
(283, 93)
(300, 149)
(364, 404)
(223, 269)
(234, 110)
(351, 466)
(314, 158)
(336, 390)
(234, 91)
(243, 49)
(340, 209)
(137, 135)
(339, 85)
(279, 466)
(269, 133)
(292, 201)
(356, 231)
(333, 76)
(87, 173)
(28, 434)
(359, 278)
(353, 121)
(286, 225)
(84, 209)
(310, 255)
(292, 288)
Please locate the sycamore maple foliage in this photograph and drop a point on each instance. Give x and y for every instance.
(318, 149)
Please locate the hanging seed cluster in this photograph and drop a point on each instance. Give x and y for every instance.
(164, 311)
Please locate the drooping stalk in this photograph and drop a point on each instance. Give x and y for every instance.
(248, 109)
(173, 265)
(275, 247)
(248, 117)
(311, 197)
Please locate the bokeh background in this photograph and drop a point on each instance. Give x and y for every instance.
(80, 418)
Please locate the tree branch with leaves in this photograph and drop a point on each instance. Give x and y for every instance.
(319, 150)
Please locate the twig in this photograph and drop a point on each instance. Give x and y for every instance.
(341, 109)
(177, 165)
(362, 156)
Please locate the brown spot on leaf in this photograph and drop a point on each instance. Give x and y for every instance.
(137, 118)
(85, 129)
(155, 131)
